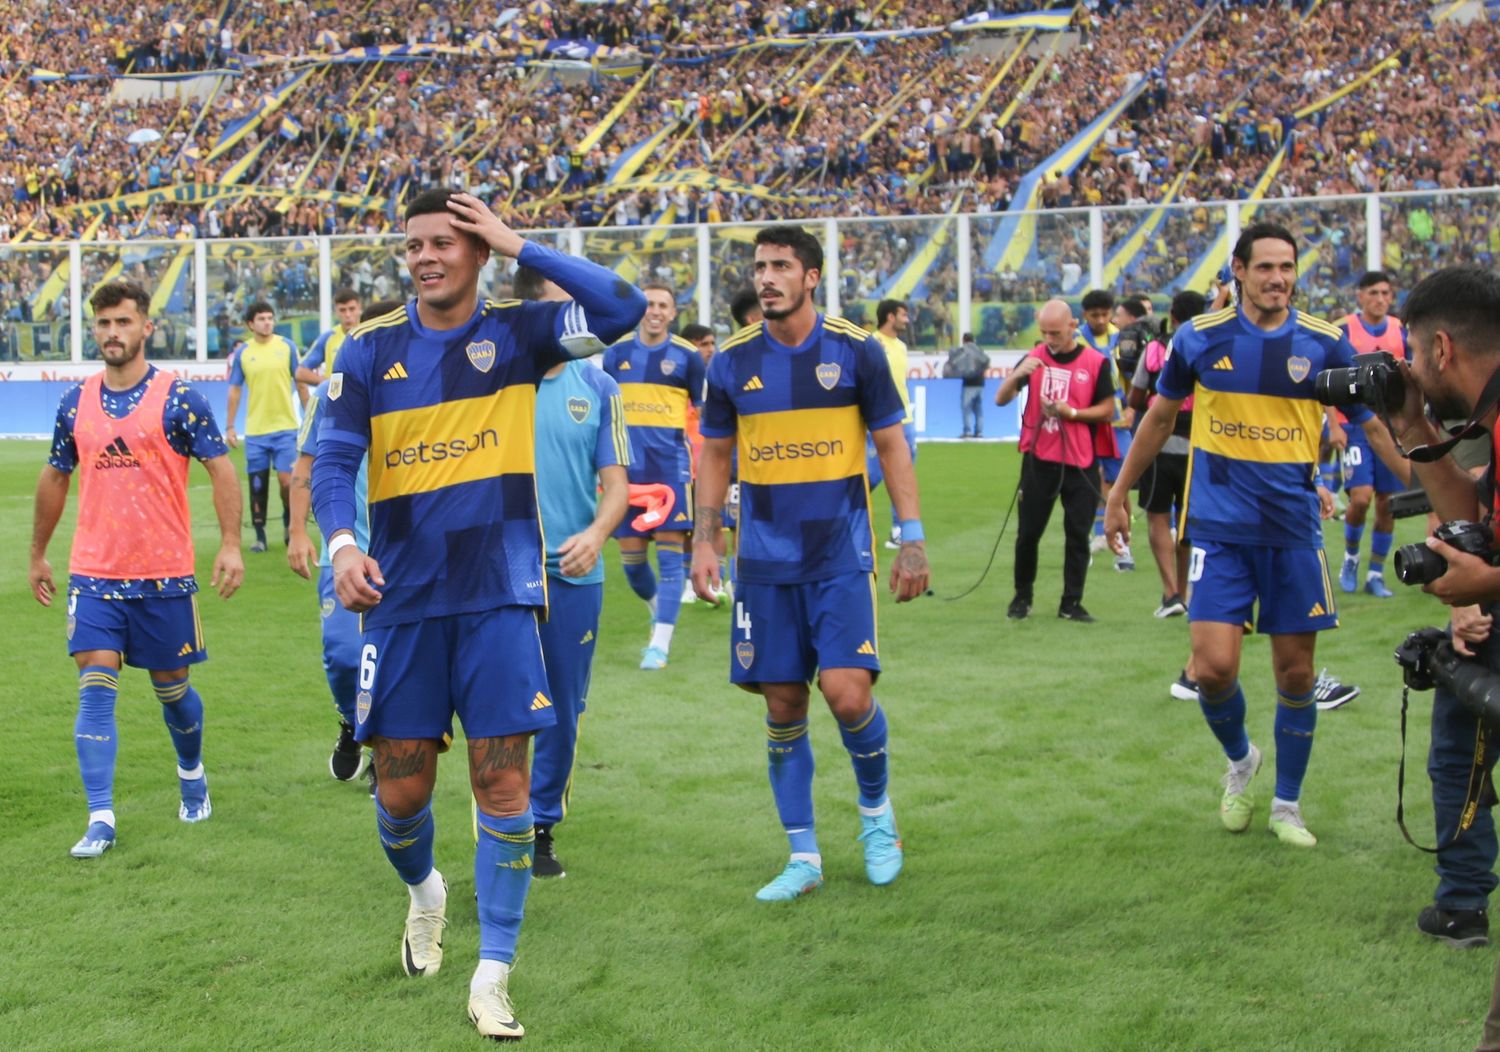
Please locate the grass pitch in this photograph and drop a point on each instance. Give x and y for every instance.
(1067, 883)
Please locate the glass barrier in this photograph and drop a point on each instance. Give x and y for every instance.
(35, 303)
(641, 254)
(1332, 249)
(1425, 231)
(910, 260)
(1019, 262)
(282, 272)
(162, 268)
(1160, 251)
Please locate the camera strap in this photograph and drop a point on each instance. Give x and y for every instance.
(1471, 797)
(1488, 399)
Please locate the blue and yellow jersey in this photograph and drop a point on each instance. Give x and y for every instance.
(1108, 345)
(325, 349)
(896, 356)
(800, 415)
(657, 384)
(1256, 423)
(448, 419)
(266, 368)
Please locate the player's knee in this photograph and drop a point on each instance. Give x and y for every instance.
(847, 691)
(401, 798)
(1215, 677)
(503, 794)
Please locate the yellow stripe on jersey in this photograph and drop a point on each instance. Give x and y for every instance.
(1318, 325)
(380, 321)
(309, 414)
(846, 327)
(801, 445)
(466, 440)
(617, 430)
(749, 332)
(654, 405)
(1265, 429)
(1218, 317)
(684, 344)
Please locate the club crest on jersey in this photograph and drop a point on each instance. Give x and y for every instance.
(668, 367)
(744, 653)
(481, 355)
(1297, 367)
(362, 706)
(828, 374)
(328, 607)
(335, 386)
(578, 409)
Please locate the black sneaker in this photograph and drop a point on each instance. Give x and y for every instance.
(1464, 929)
(1019, 609)
(1184, 689)
(348, 760)
(544, 861)
(1075, 612)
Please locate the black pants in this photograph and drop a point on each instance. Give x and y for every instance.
(1042, 483)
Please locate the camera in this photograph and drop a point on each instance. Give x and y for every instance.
(1428, 660)
(1419, 564)
(1373, 380)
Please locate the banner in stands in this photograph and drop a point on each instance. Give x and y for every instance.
(200, 193)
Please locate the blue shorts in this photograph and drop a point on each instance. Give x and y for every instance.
(158, 633)
(872, 458)
(568, 640)
(1111, 465)
(341, 640)
(276, 450)
(680, 519)
(1292, 586)
(1363, 468)
(785, 633)
(486, 667)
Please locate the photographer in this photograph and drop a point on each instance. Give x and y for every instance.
(1453, 326)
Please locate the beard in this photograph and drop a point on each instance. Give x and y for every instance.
(1447, 406)
(792, 307)
(117, 355)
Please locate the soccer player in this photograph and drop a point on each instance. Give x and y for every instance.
(581, 453)
(1372, 328)
(891, 319)
(1100, 333)
(321, 356)
(128, 432)
(796, 395)
(1253, 509)
(660, 375)
(441, 396)
(340, 627)
(744, 308)
(267, 365)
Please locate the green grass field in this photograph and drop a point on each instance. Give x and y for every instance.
(1067, 884)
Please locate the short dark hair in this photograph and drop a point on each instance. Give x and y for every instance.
(1141, 300)
(1133, 307)
(1186, 305)
(114, 293)
(1097, 299)
(1464, 300)
(1372, 277)
(741, 305)
(258, 307)
(695, 332)
(885, 309)
(528, 283)
(1262, 232)
(968, 338)
(346, 295)
(428, 202)
(808, 249)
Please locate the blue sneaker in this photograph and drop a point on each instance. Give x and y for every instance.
(882, 846)
(796, 880)
(99, 839)
(653, 658)
(1349, 574)
(195, 804)
(1375, 585)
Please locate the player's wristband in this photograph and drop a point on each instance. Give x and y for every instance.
(911, 531)
(342, 541)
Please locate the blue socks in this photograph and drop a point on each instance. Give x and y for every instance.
(669, 598)
(1225, 714)
(790, 760)
(638, 573)
(502, 875)
(1295, 719)
(1099, 521)
(1352, 537)
(1380, 547)
(866, 741)
(182, 710)
(94, 734)
(407, 842)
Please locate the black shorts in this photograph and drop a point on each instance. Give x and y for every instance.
(1162, 484)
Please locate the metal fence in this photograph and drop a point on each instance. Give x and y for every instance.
(984, 273)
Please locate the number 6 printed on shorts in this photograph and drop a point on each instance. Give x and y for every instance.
(367, 667)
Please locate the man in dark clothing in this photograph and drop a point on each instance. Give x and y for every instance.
(968, 362)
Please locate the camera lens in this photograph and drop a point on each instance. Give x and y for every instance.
(1418, 564)
(1337, 386)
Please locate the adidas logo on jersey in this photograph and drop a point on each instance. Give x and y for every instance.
(624, 365)
(540, 702)
(1317, 611)
(1225, 364)
(866, 648)
(395, 372)
(118, 455)
(753, 384)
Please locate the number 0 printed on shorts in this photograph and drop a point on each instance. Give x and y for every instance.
(367, 667)
(1195, 564)
(741, 618)
(1353, 457)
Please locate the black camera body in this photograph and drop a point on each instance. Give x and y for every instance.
(1373, 380)
(1428, 660)
(1419, 564)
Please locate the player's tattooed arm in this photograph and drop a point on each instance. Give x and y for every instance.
(910, 574)
(707, 524)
